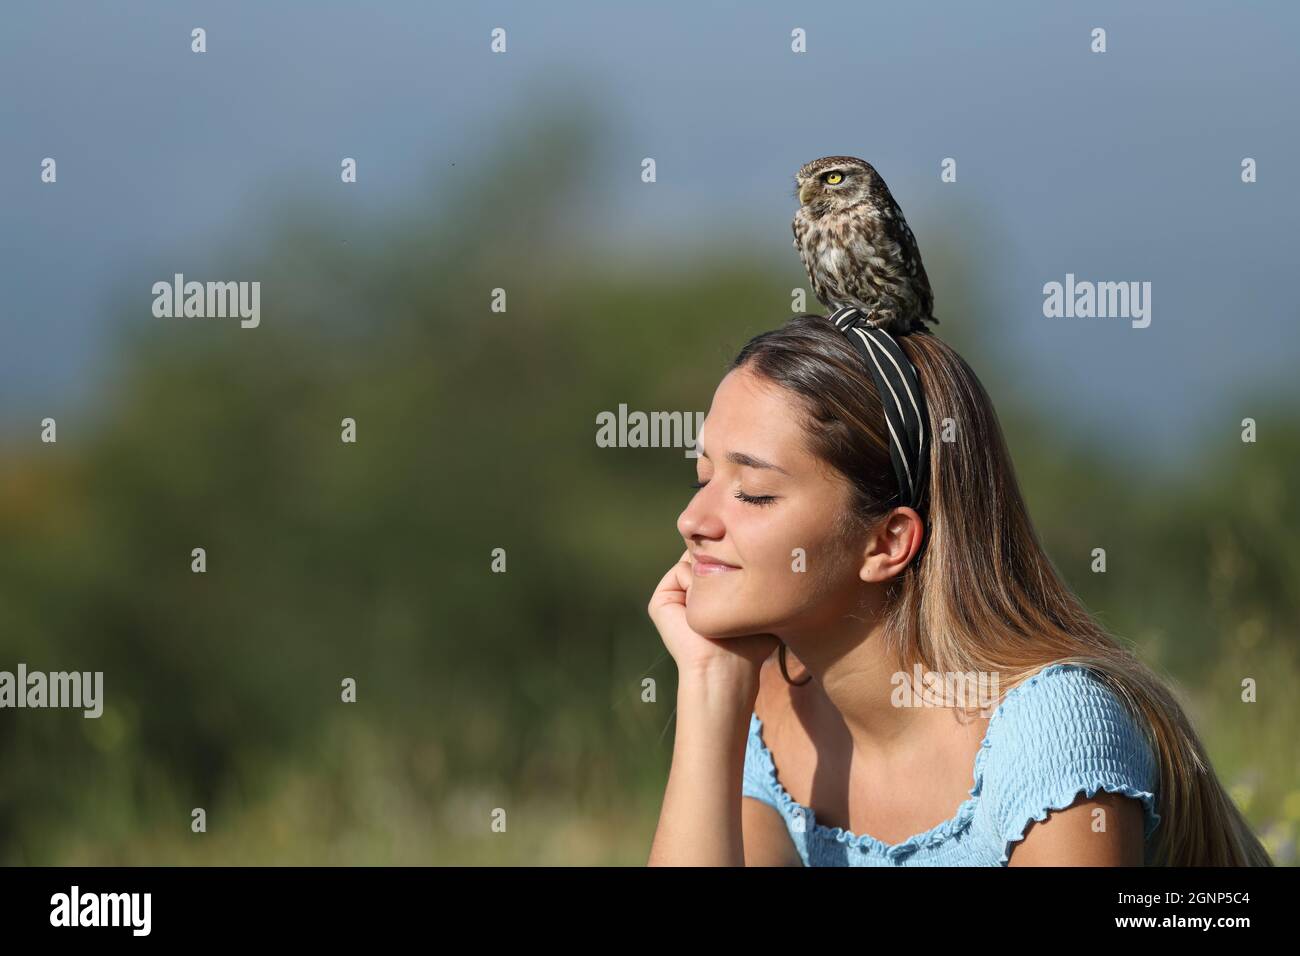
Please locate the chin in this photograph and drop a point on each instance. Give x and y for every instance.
(718, 624)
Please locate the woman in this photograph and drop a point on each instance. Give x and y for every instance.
(872, 546)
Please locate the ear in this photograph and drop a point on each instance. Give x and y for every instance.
(892, 545)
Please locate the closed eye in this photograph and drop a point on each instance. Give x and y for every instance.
(759, 500)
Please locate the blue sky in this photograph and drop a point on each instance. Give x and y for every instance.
(1115, 166)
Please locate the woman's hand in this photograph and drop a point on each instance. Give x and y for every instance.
(693, 652)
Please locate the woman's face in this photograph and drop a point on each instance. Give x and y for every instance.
(791, 570)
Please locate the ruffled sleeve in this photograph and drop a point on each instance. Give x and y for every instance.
(756, 781)
(1061, 733)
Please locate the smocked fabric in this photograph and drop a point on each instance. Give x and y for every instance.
(1060, 733)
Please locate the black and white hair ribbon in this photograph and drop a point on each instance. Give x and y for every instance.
(900, 394)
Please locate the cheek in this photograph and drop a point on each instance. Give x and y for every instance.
(785, 553)
(793, 571)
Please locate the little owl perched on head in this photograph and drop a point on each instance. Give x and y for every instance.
(857, 247)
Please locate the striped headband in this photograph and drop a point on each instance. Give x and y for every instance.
(900, 394)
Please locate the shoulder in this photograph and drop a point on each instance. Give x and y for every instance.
(1064, 740)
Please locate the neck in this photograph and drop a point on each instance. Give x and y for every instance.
(855, 675)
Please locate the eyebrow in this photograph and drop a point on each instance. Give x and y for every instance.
(749, 461)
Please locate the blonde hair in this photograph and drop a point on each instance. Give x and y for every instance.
(1017, 615)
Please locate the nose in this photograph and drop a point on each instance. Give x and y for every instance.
(807, 191)
(699, 518)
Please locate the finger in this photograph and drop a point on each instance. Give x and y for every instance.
(670, 589)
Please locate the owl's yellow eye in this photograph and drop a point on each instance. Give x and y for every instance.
(834, 179)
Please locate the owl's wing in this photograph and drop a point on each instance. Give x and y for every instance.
(898, 231)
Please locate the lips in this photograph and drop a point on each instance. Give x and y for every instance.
(707, 564)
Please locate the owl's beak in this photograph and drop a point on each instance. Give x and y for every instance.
(807, 191)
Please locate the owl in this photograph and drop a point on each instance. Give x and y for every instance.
(857, 247)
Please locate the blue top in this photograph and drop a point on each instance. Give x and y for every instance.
(1060, 732)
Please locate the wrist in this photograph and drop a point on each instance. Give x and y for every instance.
(720, 684)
